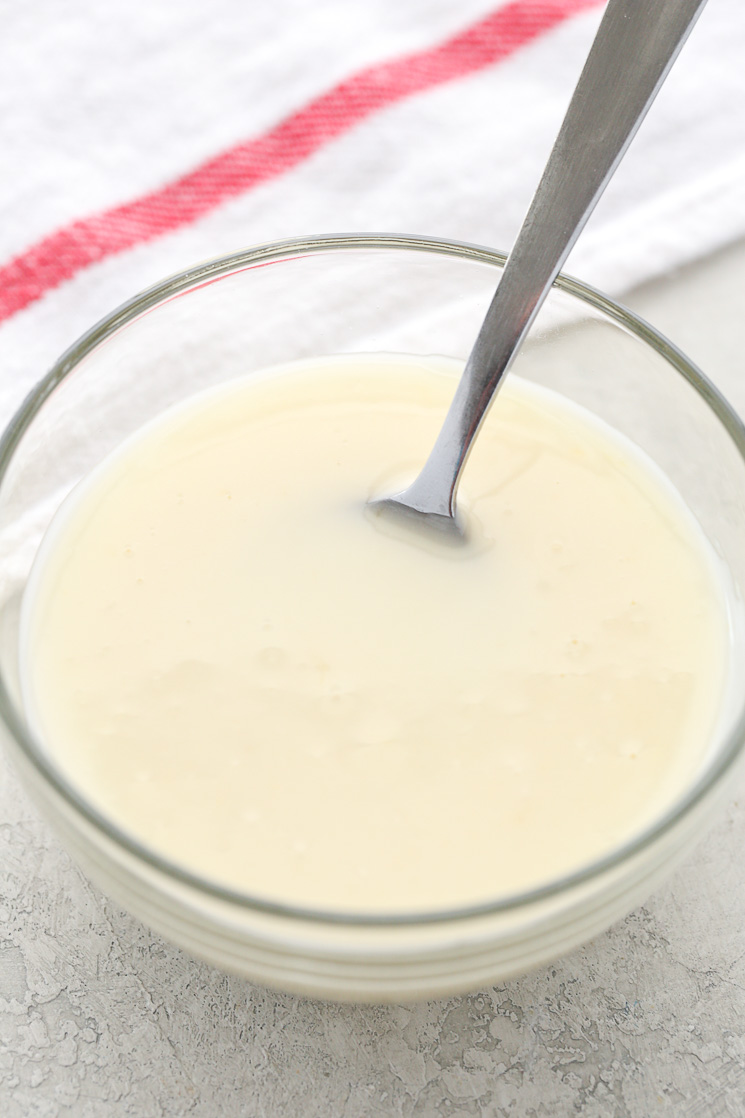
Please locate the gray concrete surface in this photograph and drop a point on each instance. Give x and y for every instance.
(101, 1018)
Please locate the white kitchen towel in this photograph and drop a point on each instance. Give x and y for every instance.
(139, 136)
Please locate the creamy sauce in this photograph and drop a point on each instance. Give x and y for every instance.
(231, 659)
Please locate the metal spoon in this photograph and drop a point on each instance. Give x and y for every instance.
(636, 44)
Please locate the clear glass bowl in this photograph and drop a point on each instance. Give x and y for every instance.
(277, 303)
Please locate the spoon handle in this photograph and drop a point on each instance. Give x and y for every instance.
(635, 46)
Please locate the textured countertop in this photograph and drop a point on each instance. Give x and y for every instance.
(99, 1017)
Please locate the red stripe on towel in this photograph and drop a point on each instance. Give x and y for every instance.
(62, 254)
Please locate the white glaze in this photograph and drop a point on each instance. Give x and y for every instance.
(228, 658)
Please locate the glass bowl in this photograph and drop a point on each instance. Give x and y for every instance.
(363, 293)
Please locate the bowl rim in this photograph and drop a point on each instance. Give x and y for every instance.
(210, 271)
